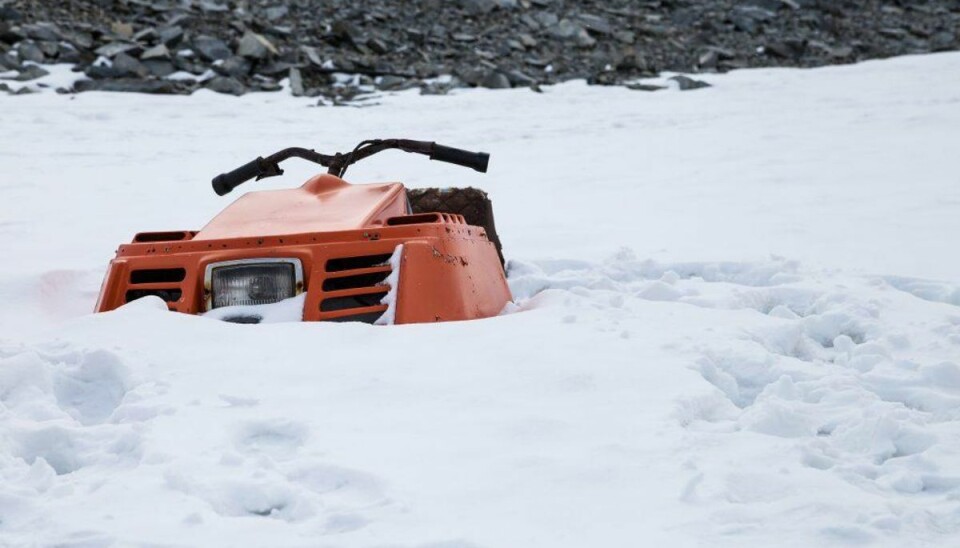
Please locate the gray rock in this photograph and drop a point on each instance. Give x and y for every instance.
(708, 60)
(471, 76)
(944, 40)
(226, 84)
(686, 83)
(49, 49)
(264, 83)
(255, 46)
(160, 68)
(568, 30)
(477, 7)
(156, 52)
(565, 29)
(527, 40)
(312, 55)
(345, 31)
(79, 39)
(645, 87)
(188, 64)
(210, 48)
(121, 29)
(235, 66)
(495, 80)
(839, 52)
(530, 21)
(275, 69)
(29, 51)
(749, 18)
(769, 5)
(296, 82)
(132, 85)
(546, 19)
(378, 45)
(170, 36)
(125, 65)
(210, 6)
(8, 13)
(625, 36)
(112, 49)
(9, 33)
(8, 62)
(46, 32)
(30, 72)
(518, 78)
(146, 35)
(275, 12)
(435, 88)
(100, 72)
(584, 40)
(595, 24)
(787, 49)
(66, 53)
(394, 83)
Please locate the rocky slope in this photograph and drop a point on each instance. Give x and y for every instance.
(340, 48)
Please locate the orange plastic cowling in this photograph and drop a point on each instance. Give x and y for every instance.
(448, 271)
(342, 235)
(449, 280)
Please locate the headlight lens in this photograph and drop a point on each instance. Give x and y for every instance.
(253, 282)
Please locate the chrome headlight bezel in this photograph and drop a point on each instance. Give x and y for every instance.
(208, 274)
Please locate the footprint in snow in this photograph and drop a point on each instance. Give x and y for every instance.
(91, 385)
(280, 436)
(239, 401)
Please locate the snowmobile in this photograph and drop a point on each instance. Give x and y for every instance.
(359, 252)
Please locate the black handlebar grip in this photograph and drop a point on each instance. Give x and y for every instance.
(225, 182)
(465, 158)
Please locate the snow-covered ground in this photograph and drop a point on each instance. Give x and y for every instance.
(737, 324)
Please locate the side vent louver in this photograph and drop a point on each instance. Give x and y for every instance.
(169, 295)
(159, 282)
(354, 287)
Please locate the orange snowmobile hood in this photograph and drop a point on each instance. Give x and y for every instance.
(324, 203)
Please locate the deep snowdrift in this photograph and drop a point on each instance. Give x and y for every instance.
(728, 330)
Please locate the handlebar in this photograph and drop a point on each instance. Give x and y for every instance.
(337, 164)
(474, 160)
(225, 182)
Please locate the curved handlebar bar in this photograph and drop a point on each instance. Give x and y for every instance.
(262, 168)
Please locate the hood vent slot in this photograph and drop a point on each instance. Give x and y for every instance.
(158, 276)
(144, 237)
(355, 263)
(356, 280)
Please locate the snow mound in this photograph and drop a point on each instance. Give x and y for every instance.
(841, 411)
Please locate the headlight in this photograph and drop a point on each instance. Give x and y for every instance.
(252, 282)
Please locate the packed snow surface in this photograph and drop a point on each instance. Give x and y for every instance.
(736, 324)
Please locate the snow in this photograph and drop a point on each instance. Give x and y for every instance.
(393, 280)
(736, 324)
(287, 310)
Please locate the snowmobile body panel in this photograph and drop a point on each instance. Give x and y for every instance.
(449, 270)
(324, 203)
